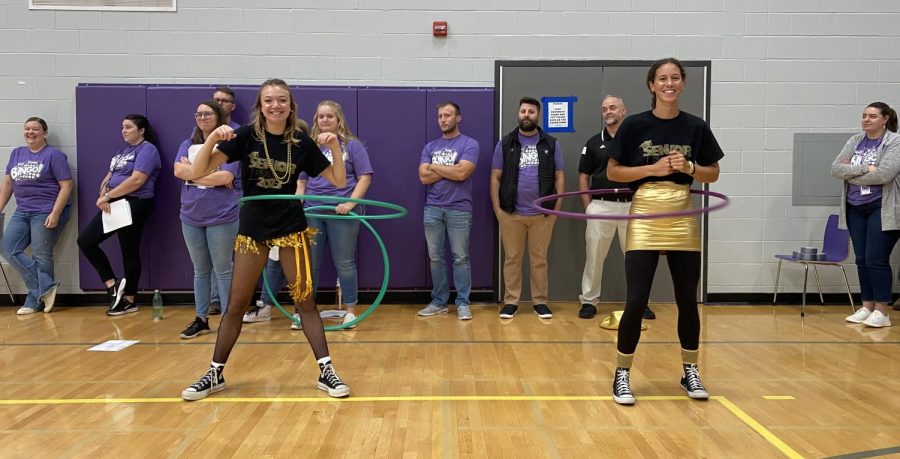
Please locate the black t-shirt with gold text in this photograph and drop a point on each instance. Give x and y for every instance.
(269, 219)
(643, 139)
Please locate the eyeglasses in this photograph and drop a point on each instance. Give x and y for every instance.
(203, 115)
(224, 101)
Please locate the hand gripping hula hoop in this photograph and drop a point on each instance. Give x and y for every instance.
(681, 213)
(399, 212)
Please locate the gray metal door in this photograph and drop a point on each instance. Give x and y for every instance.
(590, 82)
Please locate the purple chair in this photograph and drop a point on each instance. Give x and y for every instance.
(836, 243)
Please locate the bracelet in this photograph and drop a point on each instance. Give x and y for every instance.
(693, 168)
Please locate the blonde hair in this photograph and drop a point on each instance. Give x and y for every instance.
(343, 129)
(258, 121)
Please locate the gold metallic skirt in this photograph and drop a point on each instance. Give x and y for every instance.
(676, 233)
(302, 287)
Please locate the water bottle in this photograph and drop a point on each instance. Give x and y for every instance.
(157, 305)
(338, 296)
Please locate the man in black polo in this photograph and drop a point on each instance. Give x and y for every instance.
(599, 233)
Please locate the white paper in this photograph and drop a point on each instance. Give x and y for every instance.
(113, 345)
(119, 216)
(332, 314)
(192, 155)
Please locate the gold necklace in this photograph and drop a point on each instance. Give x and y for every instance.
(281, 180)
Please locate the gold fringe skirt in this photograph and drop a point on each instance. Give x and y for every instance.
(300, 289)
(675, 233)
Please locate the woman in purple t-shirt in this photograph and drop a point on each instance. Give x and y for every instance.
(870, 208)
(341, 235)
(39, 177)
(209, 217)
(131, 177)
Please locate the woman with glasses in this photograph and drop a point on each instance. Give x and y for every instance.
(209, 217)
(869, 165)
(39, 177)
(131, 177)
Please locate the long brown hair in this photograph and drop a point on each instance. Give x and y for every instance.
(343, 129)
(258, 121)
(651, 75)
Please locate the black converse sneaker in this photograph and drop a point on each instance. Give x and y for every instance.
(213, 381)
(196, 328)
(124, 307)
(115, 293)
(622, 387)
(330, 382)
(691, 383)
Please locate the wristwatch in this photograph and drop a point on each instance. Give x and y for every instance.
(107, 196)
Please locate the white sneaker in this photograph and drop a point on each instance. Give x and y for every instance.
(348, 318)
(259, 313)
(295, 324)
(877, 319)
(859, 316)
(24, 310)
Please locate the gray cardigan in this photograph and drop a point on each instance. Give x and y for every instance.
(888, 165)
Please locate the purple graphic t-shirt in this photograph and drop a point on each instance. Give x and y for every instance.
(528, 187)
(208, 205)
(446, 193)
(866, 153)
(356, 163)
(142, 157)
(35, 177)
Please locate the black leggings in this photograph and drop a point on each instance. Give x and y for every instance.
(129, 242)
(640, 266)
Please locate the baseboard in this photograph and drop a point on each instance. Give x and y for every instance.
(187, 298)
(783, 298)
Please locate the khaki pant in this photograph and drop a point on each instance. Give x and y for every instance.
(515, 231)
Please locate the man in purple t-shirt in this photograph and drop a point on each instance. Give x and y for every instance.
(226, 100)
(527, 164)
(446, 168)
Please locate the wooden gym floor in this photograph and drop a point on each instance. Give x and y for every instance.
(438, 387)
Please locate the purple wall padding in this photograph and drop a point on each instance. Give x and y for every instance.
(393, 123)
(477, 110)
(99, 112)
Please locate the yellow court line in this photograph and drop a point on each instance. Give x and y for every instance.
(756, 426)
(779, 397)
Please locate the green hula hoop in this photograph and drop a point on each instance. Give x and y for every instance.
(401, 212)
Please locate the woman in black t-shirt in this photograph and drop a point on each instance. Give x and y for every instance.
(660, 153)
(272, 152)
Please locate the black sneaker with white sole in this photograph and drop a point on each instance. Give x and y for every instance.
(622, 387)
(124, 307)
(543, 311)
(196, 328)
(330, 382)
(690, 382)
(115, 293)
(508, 311)
(213, 381)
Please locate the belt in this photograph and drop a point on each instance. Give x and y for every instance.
(615, 197)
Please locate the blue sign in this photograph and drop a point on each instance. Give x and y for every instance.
(559, 113)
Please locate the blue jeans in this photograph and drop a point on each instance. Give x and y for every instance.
(277, 281)
(27, 229)
(439, 224)
(211, 249)
(342, 237)
(872, 248)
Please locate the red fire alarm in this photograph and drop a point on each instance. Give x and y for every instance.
(439, 28)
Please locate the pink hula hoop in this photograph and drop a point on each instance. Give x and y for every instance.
(681, 213)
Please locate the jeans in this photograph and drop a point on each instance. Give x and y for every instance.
(277, 281)
(24, 229)
(872, 248)
(442, 224)
(211, 249)
(341, 236)
(129, 243)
